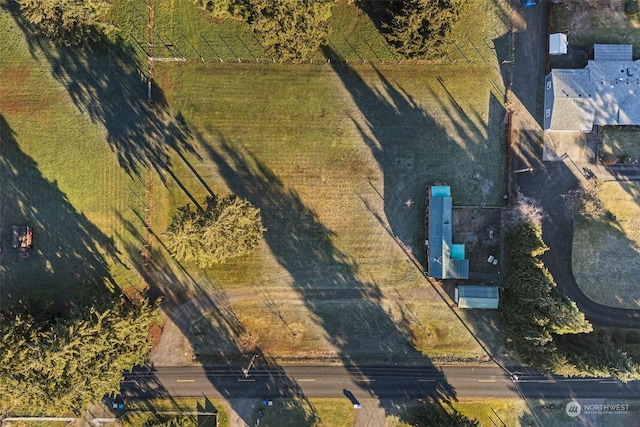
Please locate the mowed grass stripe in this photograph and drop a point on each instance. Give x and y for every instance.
(312, 147)
(66, 181)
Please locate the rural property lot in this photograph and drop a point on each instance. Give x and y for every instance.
(338, 159)
(606, 255)
(337, 156)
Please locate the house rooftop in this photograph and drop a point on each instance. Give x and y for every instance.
(478, 296)
(605, 92)
(445, 260)
(612, 52)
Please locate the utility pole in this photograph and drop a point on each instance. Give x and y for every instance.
(245, 371)
(523, 170)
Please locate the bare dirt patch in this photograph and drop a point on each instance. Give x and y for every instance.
(595, 21)
(480, 230)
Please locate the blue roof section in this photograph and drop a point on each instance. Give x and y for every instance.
(440, 191)
(457, 251)
(475, 296)
(444, 259)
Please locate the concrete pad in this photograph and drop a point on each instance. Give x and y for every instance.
(559, 145)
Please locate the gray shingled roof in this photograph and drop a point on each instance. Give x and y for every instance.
(617, 86)
(605, 92)
(573, 107)
(612, 52)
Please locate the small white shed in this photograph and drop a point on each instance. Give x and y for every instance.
(558, 44)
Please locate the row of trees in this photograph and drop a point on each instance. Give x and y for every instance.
(57, 362)
(545, 327)
(290, 30)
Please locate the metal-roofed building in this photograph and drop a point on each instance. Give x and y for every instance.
(604, 93)
(445, 260)
(477, 296)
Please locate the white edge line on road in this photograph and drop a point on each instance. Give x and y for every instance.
(367, 380)
(244, 380)
(306, 380)
(185, 381)
(608, 382)
(426, 381)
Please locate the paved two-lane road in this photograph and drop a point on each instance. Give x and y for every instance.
(364, 382)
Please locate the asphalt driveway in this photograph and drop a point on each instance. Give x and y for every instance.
(550, 181)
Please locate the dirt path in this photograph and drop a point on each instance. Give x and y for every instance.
(174, 348)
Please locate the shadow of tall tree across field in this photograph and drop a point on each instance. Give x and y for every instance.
(68, 260)
(108, 83)
(416, 147)
(350, 311)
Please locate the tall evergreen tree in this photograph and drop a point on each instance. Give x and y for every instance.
(69, 22)
(225, 229)
(419, 28)
(291, 30)
(60, 363)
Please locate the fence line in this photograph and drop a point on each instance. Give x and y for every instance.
(234, 48)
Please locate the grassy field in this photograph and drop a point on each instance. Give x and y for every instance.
(60, 175)
(338, 160)
(337, 157)
(312, 412)
(490, 411)
(608, 24)
(606, 254)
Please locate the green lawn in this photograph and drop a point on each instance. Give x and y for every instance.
(332, 156)
(311, 412)
(60, 175)
(621, 142)
(338, 158)
(606, 254)
(490, 411)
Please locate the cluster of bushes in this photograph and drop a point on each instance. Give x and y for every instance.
(609, 160)
(545, 327)
(68, 22)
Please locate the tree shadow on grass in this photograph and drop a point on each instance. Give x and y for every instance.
(205, 317)
(349, 310)
(68, 262)
(108, 84)
(416, 147)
